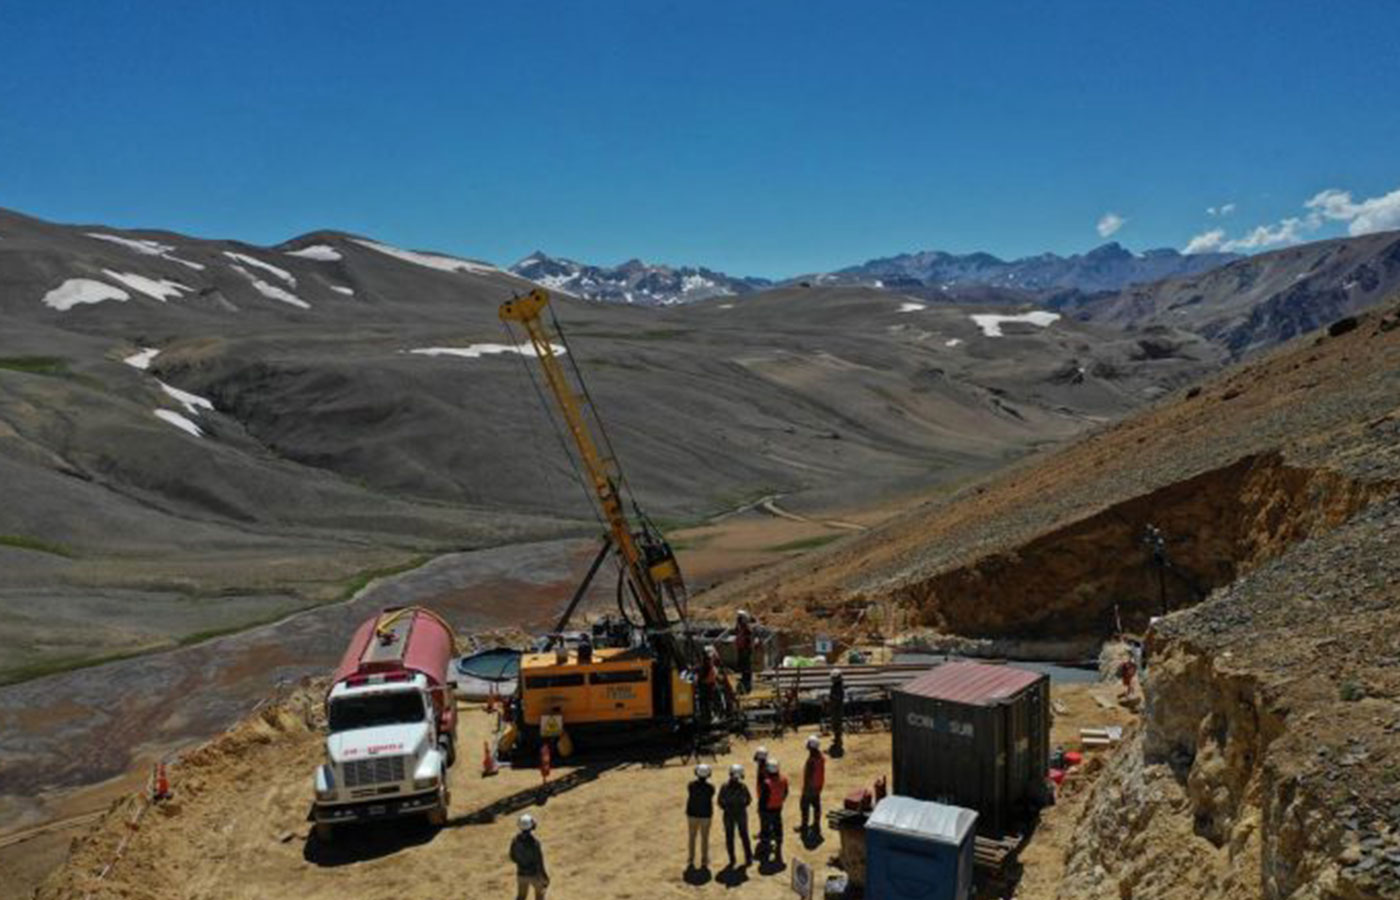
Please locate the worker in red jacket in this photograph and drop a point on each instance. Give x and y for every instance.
(760, 764)
(813, 780)
(772, 811)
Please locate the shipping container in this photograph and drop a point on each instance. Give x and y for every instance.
(977, 736)
(919, 850)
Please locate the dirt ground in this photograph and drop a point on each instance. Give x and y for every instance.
(731, 545)
(237, 826)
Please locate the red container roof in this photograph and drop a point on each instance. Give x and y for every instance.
(977, 684)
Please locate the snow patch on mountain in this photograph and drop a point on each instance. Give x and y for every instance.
(476, 351)
(318, 252)
(431, 260)
(339, 289)
(192, 403)
(911, 307)
(143, 359)
(146, 248)
(156, 288)
(179, 421)
(991, 323)
(76, 291)
(271, 291)
(283, 274)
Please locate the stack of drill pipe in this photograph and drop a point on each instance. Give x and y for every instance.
(858, 679)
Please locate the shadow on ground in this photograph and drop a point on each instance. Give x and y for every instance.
(366, 841)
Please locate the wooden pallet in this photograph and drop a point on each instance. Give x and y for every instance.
(993, 853)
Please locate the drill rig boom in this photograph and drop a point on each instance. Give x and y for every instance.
(647, 560)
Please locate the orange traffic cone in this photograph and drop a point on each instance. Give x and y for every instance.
(488, 760)
(160, 783)
(544, 761)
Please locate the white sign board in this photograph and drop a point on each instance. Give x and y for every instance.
(823, 645)
(803, 881)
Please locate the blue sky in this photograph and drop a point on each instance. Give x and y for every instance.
(762, 137)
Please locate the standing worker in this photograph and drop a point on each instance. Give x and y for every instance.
(772, 813)
(760, 762)
(699, 810)
(813, 780)
(837, 700)
(709, 681)
(734, 800)
(743, 646)
(526, 853)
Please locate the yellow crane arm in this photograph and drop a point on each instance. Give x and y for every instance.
(647, 575)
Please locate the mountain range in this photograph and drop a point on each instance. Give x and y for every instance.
(927, 273)
(634, 281)
(217, 432)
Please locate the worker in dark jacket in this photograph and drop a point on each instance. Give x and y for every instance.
(734, 800)
(743, 647)
(772, 812)
(837, 700)
(813, 780)
(699, 810)
(528, 857)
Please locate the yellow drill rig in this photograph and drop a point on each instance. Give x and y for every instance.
(649, 684)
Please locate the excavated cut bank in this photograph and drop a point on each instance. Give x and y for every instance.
(1100, 573)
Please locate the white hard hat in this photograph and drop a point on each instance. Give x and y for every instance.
(772, 765)
(736, 772)
(761, 753)
(814, 742)
(527, 822)
(743, 614)
(835, 673)
(702, 771)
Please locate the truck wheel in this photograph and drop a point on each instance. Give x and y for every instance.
(437, 816)
(325, 832)
(449, 748)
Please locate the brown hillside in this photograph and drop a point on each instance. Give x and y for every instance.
(1232, 472)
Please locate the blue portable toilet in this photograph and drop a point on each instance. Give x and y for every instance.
(919, 850)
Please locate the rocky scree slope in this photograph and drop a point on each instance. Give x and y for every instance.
(1268, 763)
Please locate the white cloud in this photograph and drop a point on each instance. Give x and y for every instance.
(1110, 223)
(1207, 242)
(1286, 231)
(1332, 205)
(1369, 216)
(1282, 233)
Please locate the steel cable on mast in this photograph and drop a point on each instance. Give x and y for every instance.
(583, 484)
(623, 483)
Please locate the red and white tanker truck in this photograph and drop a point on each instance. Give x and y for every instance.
(393, 723)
